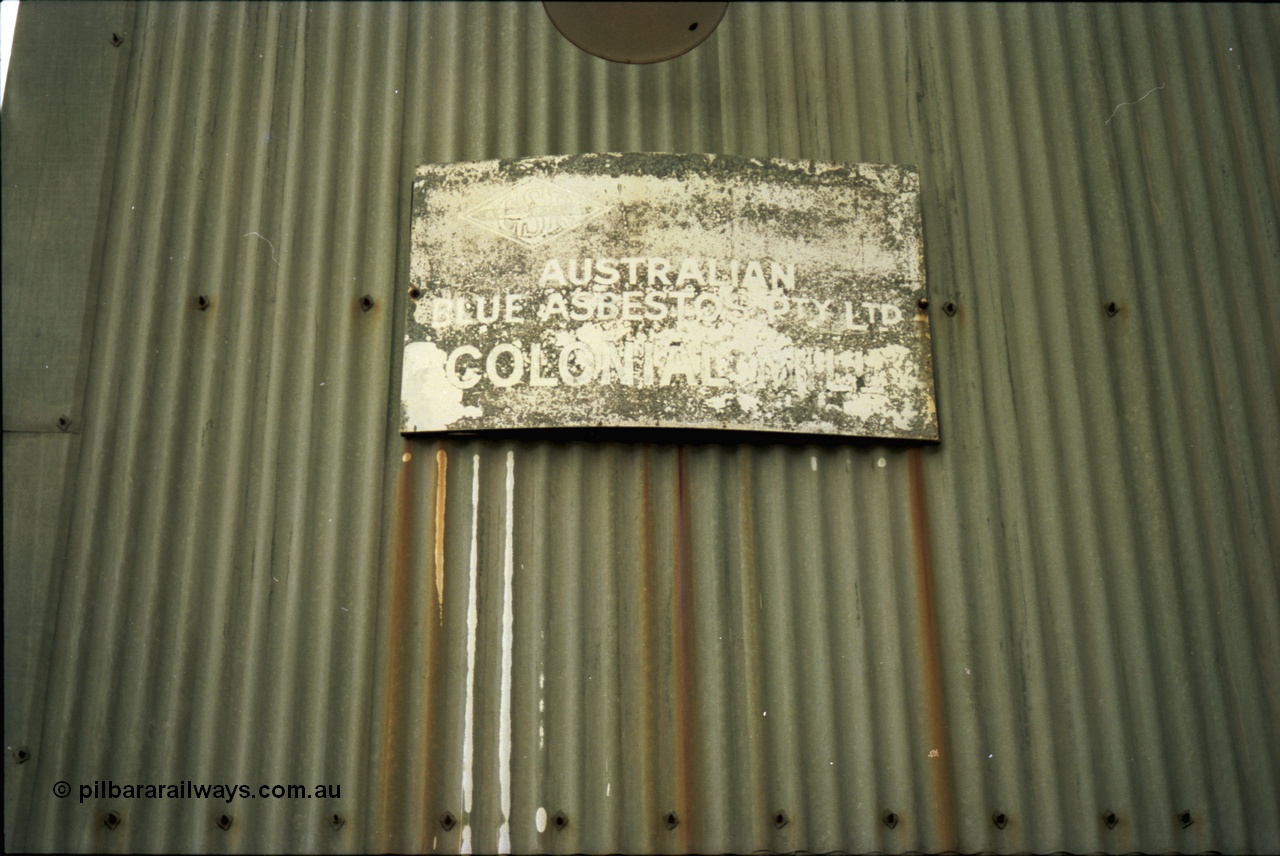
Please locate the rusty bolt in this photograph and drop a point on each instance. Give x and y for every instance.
(923, 303)
(202, 302)
(1184, 818)
(1000, 819)
(890, 819)
(671, 820)
(366, 303)
(336, 821)
(560, 821)
(780, 819)
(949, 307)
(21, 755)
(1110, 819)
(223, 821)
(111, 821)
(414, 292)
(1111, 308)
(448, 821)
(116, 41)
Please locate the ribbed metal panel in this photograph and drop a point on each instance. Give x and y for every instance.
(239, 572)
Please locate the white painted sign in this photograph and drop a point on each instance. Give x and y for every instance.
(640, 290)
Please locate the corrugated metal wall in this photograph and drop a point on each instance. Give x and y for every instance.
(224, 564)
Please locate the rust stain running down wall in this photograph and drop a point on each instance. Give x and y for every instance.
(939, 754)
(226, 565)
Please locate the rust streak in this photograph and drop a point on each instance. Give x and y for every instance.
(391, 793)
(442, 470)
(682, 597)
(434, 678)
(752, 620)
(942, 797)
(650, 771)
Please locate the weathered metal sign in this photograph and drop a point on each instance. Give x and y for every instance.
(660, 290)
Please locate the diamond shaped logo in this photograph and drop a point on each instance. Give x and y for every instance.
(534, 211)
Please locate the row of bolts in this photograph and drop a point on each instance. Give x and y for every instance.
(561, 820)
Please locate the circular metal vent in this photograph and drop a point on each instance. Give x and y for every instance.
(636, 32)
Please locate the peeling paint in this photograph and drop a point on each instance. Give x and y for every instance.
(668, 291)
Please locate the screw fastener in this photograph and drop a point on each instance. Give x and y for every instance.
(923, 303)
(1184, 818)
(20, 754)
(336, 821)
(560, 821)
(448, 821)
(366, 303)
(414, 292)
(949, 307)
(1000, 819)
(1110, 819)
(1111, 308)
(780, 819)
(671, 820)
(890, 819)
(116, 41)
(223, 821)
(111, 821)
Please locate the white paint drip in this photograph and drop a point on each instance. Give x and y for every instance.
(540, 819)
(813, 463)
(468, 732)
(607, 786)
(508, 637)
(882, 463)
(442, 468)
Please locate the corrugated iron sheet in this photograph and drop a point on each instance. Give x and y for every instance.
(228, 567)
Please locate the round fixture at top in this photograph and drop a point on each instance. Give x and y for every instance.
(635, 32)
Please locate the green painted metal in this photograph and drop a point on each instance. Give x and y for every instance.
(231, 568)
